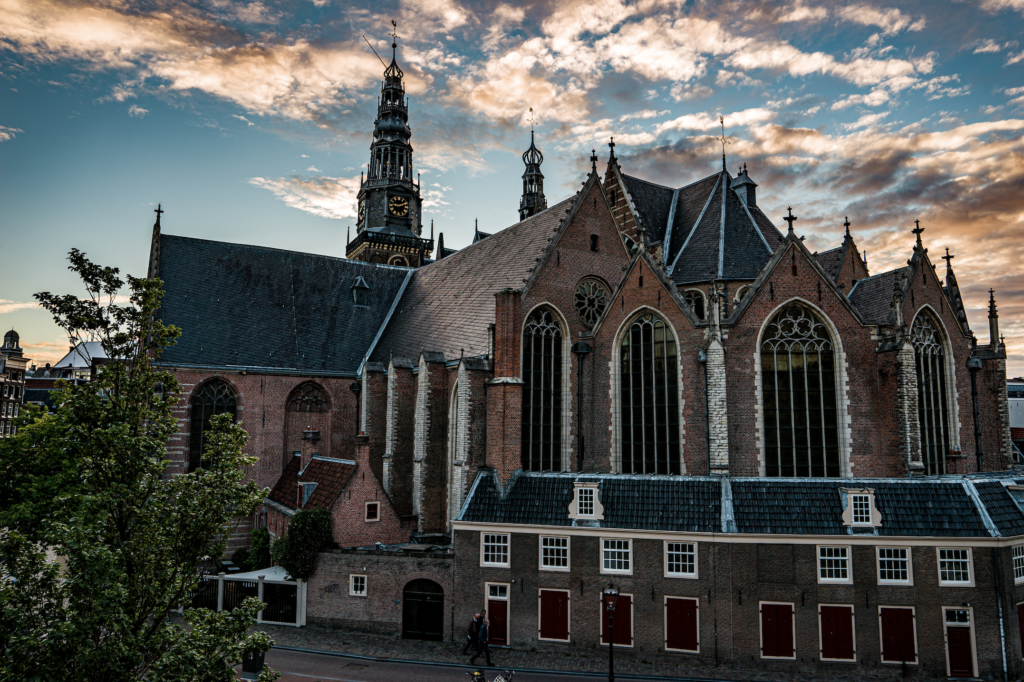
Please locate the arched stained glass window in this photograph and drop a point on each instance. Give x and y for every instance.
(212, 398)
(649, 387)
(798, 375)
(308, 397)
(542, 392)
(695, 299)
(932, 402)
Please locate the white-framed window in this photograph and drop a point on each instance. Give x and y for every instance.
(585, 501)
(616, 556)
(554, 553)
(894, 566)
(955, 566)
(1018, 564)
(834, 564)
(861, 509)
(494, 549)
(357, 585)
(372, 511)
(680, 559)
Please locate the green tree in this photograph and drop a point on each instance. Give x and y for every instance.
(259, 552)
(309, 533)
(97, 544)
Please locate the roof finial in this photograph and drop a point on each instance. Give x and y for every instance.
(431, 229)
(533, 123)
(723, 140)
(918, 230)
(158, 211)
(789, 219)
(949, 259)
(611, 146)
(847, 225)
(348, 235)
(593, 160)
(394, 38)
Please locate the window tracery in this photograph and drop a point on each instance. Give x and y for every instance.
(591, 300)
(695, 300)
(649, 390)
(308, 397)
(801, 419)
(932, 400)
(542, 392)
(212, 398)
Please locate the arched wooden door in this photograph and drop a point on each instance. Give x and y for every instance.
(423, 610)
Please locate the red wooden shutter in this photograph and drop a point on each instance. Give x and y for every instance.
(497, 613)
(554, 614)
(898, 635)
(681, 624)
(837, 632)
(1020, 626)
(623, 621)
(777, 630)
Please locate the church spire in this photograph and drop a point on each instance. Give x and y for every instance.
(533, 200)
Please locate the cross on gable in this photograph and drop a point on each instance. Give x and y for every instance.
(917, 231)
(948, 258)
(723, 139)
(159, 210)
(846, 224)
(790, 219)
(611, 144)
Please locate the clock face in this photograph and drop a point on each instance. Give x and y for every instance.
(399, 206)
(362, 211)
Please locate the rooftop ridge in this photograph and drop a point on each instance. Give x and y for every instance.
(257, 247)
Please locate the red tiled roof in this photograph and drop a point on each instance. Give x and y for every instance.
(330, 475)
(449, 304)
(1016, 433)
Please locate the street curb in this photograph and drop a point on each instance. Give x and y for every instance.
(442, 664)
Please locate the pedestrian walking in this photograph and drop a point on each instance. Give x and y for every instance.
(482, 635)
(474, 626)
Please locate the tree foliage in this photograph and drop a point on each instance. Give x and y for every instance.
(97, 544)
(259, 550)
(309, 533)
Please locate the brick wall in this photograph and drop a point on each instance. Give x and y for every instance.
(401, 406)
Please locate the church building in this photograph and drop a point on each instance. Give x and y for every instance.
(779, 459)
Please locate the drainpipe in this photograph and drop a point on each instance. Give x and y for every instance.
(999, 602)
(579, 349)
(702, 358)
(974, 364)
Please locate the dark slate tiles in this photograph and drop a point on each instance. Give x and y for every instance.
(788, 507)
(940, 508)
(250, 306)
(830, 260)
(1003, 511)
(745, 251)
(699, 257)
(653, 203)
(872, 296)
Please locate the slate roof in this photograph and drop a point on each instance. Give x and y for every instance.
(933, 507)
(830, 260)
(682, 504)
(749, 237)
(82, 355)
(330, 475)
(872, 296)
(449, 304)
(256, 307)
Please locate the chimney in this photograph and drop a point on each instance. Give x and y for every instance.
(310, 446)
(745, 188)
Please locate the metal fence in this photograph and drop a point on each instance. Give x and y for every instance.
(285, 599)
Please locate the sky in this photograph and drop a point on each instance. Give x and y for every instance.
(249, 121)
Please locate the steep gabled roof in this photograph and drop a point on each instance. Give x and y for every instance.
(830, 260)
(449, 304)
(242, 306)
(872, 296)
(653, 204)
(330, 476)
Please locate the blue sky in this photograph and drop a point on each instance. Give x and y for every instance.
(250, 121)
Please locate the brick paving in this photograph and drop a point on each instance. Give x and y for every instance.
(390, 647)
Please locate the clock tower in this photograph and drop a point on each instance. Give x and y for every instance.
(389, 212)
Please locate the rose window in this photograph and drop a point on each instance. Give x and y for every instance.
(591, 300)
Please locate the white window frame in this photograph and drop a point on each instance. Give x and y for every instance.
(582, 503)
(366, 512)
(868, 499)
(970, 568)
(665, 617)
(568, 553)
(568, 614)
(909, 582)
(913, 614)
(945, 636)
(853, 625)
(1018, 562)
(760, 629)
(696, 562)
(632, 618)
(629, 542)
(508, 549)
(848, 580)
(352, 585)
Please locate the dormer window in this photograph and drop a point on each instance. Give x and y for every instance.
(360, 292)
(860, 511)
(586, 502)
(307, 492)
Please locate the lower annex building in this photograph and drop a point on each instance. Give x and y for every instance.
(783, 461)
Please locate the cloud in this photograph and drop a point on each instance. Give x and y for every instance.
(9, 133)
(890, 20)
(42, 352)
(243, 118)
(802, 13)
(313, 169)
(1014, 59)
(322, 196)
(998, 5)
(987, 45)
(136, 111)
(7, 306)
(866, 121)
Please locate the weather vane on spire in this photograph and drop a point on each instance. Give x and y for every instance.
(723, 139)
(394, 34)
(532, 121)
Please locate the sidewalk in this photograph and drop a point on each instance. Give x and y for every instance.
(572, 660)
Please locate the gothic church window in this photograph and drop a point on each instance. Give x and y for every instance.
(649, 390)
(798, 375)
(590, 301)
(542, 392)
(213, 398)
(932, 402)
(695, 299)
(308, 398)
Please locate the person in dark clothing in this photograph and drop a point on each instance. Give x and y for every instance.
(471, 631)
(482, 635)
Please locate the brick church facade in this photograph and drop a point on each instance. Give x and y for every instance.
(784, 461)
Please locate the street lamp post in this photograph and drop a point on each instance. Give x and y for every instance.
(611, 599)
